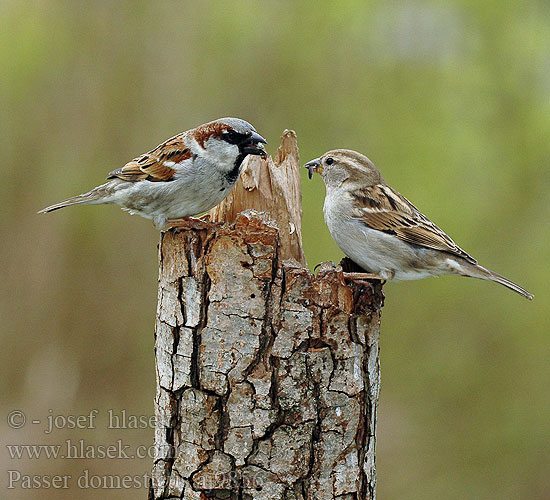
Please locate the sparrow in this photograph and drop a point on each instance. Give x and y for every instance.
(186, 175)
(383, 232)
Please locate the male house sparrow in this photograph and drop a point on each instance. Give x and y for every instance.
(185, 175)
(383, 232)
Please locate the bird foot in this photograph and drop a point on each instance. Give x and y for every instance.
(189, 222)
(358, 277)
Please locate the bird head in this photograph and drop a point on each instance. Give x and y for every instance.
(340, 166)
(227, 141)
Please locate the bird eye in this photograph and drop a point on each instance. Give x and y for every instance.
(231, 136)
(329, 161)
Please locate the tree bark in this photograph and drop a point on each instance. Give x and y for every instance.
(267, 375)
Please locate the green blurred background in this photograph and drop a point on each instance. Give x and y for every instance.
(450, 99)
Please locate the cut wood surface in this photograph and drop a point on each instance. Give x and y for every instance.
(267, 375)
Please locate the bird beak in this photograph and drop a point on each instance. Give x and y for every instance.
(314, 166)
(253, 145)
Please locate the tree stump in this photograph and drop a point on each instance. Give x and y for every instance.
(267, 375)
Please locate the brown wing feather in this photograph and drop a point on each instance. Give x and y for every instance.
(382, 208)
(156, 165)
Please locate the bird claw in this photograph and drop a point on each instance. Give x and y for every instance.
(327, 266)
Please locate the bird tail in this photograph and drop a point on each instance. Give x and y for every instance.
(100, 194)
(486, 274)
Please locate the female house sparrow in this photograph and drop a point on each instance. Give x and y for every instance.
(383, 232)
(185, 175)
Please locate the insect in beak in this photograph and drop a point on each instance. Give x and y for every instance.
(313, 166)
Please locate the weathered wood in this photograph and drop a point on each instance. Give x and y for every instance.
(267, 376)
(273, 186)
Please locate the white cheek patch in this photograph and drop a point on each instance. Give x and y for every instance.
(221, 150)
